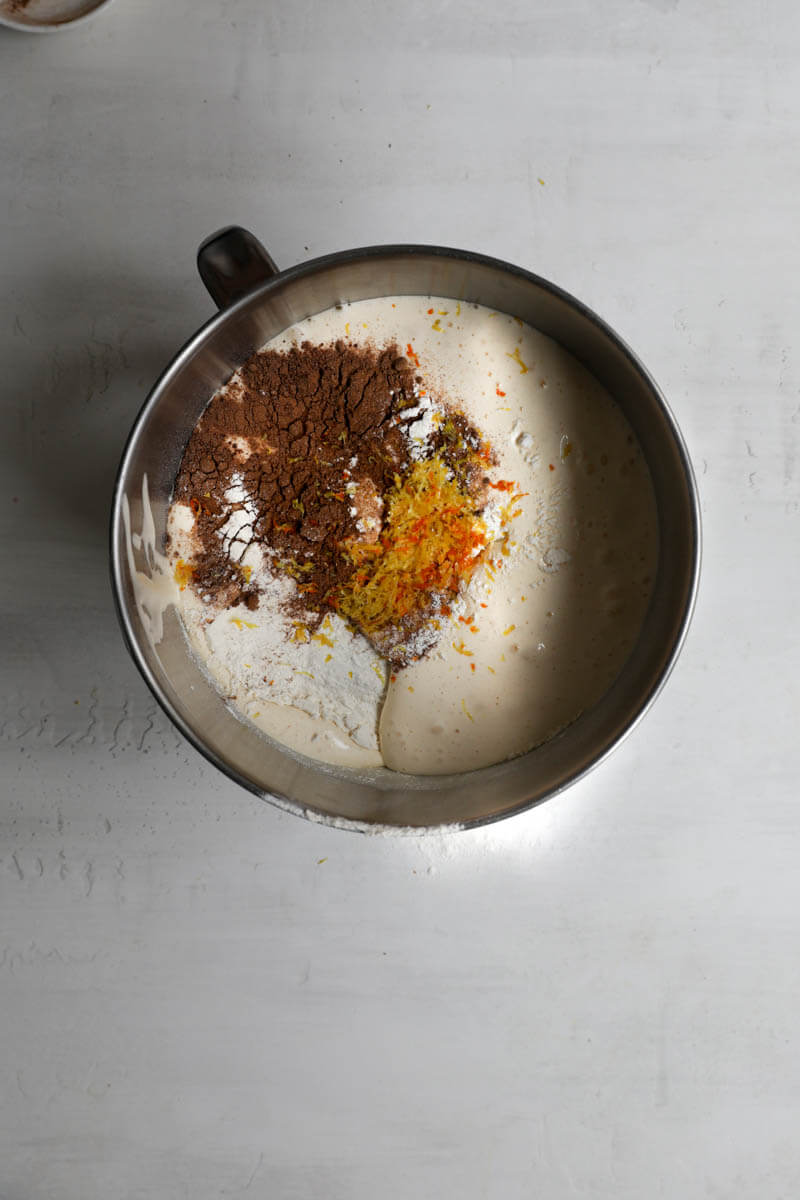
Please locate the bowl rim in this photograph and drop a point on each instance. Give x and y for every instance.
(52, 26)
(311, 267)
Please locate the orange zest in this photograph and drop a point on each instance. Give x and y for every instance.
(431, 543)
(183, 573)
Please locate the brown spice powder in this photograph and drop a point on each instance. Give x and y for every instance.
(315, 436)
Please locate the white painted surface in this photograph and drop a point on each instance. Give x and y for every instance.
(203, 997)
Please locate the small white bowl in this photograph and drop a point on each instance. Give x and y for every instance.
(47, 16)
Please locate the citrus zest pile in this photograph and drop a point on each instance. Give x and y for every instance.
(183, 573)
(431, 543)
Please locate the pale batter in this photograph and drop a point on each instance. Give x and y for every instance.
(538, 637)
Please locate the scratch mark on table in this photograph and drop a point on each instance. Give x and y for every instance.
(92, 720)
(254, 1172)
(150, 718)
(119, 724)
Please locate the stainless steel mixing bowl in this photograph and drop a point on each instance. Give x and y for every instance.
(257, 302)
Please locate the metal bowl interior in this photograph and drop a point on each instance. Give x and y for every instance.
(366, 799)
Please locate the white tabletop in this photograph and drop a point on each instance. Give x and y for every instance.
(203, 997)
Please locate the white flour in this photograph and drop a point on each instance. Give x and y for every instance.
(262, 659)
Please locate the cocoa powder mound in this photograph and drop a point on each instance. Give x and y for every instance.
(292, 431)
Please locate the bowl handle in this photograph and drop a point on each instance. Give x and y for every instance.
(231, 263)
